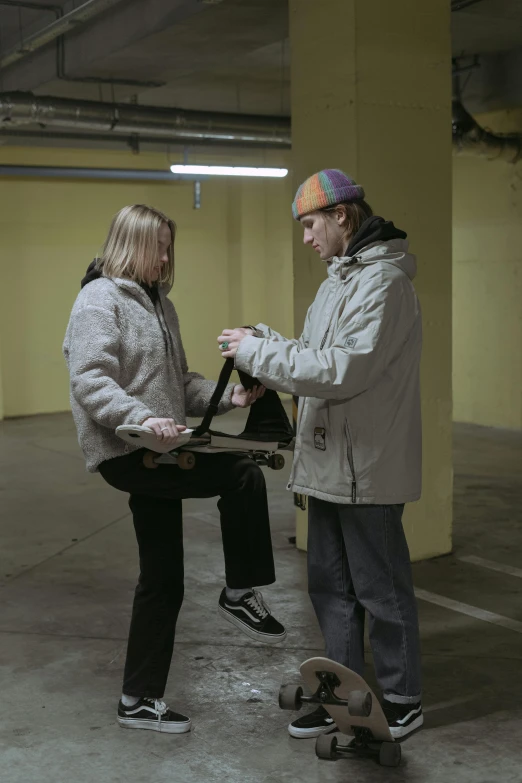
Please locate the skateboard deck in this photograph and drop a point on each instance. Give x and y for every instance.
(350, 682)
(352, 705)
(147, 439)
(184, 451)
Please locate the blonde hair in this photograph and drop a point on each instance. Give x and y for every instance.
(131, 247)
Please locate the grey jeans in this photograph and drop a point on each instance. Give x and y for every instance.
(358, 560)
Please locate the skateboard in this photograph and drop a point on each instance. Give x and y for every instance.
(353, 706)
(187, 447)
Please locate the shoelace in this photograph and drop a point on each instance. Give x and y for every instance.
(159, 706)
(258, 604)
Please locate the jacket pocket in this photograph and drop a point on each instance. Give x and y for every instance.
(351, 462)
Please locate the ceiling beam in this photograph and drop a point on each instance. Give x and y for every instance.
(64, 24)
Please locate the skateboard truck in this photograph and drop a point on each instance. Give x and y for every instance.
(364, 745)
(358, 704)
(186, 460)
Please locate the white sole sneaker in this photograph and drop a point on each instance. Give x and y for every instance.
(309, 733)
(165, 727)
(258, 637)
(399, 732)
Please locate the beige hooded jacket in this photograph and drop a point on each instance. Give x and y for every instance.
(356, 371)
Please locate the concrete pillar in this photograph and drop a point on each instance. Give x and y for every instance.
(371, 95)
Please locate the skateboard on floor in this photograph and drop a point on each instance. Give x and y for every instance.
(187, 447)
(354, 708)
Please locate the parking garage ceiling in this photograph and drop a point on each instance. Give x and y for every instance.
(221, 55)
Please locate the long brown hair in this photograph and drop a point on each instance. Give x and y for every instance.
(356, 213)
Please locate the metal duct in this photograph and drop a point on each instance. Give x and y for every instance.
(122, 118)
(470, 137)
(70, 172)
(66, 23)
(197, 127)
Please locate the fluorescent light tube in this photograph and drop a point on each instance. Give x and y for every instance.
(228, 171)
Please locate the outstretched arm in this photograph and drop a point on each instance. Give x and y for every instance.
(233, 337)
(374, 326)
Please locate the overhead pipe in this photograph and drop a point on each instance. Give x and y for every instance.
(133, 141)
(176, 125)
(56, 9)
(470, 137)
(72, 172)
(61, 26)
(60, 52)
(103, 122)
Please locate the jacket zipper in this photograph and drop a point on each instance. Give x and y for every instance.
(324, 339)
(167, 337)
(351, 461)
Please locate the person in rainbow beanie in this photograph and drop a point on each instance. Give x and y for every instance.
(357, 457)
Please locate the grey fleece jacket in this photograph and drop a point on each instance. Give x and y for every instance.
(126, 364)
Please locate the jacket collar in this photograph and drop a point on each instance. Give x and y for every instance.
(136, 290)
(343, 268)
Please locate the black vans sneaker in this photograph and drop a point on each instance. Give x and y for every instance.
(403, 719)
(152, 714)
(252, 616)
(312, 725)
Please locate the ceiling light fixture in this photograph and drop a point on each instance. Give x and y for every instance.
(227, 171)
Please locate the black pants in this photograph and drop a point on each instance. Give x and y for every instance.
(155, 502)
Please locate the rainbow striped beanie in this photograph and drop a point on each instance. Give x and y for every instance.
(325, 189)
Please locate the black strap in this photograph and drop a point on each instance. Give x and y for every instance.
(267, 419)
(224, 377)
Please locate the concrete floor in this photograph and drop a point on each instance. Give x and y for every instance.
(67, 572)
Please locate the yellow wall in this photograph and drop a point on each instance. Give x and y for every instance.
(234, 260)
(487, 285)
(237, 243)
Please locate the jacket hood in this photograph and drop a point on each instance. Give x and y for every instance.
(374, 229)
(93, 273)
(378, 240)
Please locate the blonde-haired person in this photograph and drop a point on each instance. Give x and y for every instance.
(127, 366)
(358, 443)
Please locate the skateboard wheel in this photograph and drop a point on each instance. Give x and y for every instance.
(277, 462)
(186, 460)
(290, 697)
(149, 460)
(360, 703)
(326, 746)
(390, 754)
